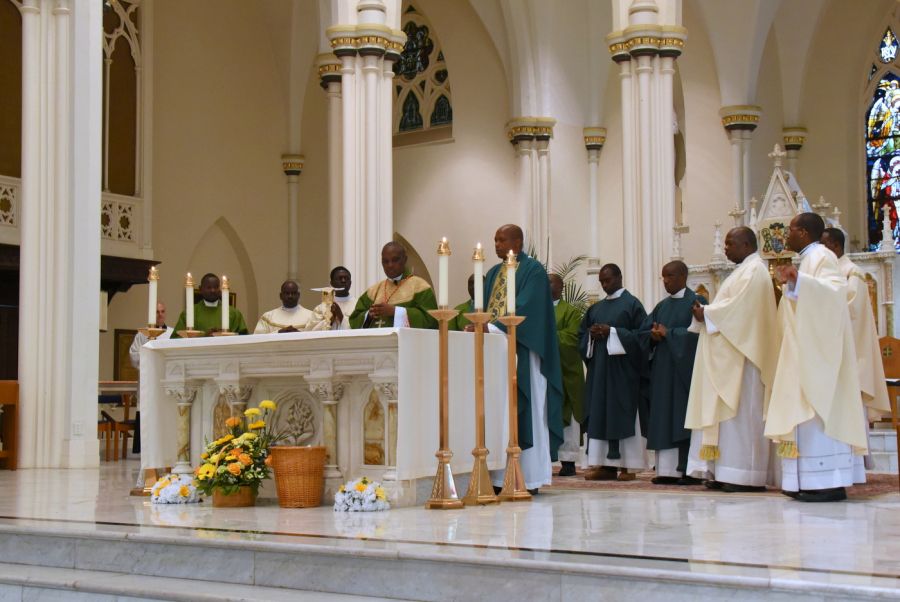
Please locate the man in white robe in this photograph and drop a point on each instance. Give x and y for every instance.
(873, 387)
(733, 374)
(293, 317)
(341, 281)
(814, 411)
(134, 354)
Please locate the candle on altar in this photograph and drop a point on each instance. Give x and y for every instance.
(511, 264)
(153, 280)
(226, 289)
(478, 264)
(189, 301)
(443, 273)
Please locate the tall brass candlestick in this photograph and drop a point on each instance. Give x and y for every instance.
(443, 493)
(514, 489)
(481, 490)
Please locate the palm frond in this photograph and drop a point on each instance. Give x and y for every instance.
(575, 296)
(566, 269)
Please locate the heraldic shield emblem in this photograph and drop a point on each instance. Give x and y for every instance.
(774, 244)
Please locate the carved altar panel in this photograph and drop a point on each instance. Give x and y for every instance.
(298, 414)
(374, 431)
(221, 413)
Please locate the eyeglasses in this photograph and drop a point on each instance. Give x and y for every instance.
(788, 229)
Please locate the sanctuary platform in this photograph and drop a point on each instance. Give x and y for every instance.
(76, 535)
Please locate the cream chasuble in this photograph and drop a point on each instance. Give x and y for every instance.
(817, 376)
(865, 338)
(300, 318)
(740, 325)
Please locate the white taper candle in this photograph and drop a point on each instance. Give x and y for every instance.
(153, 280)
(443, 273)
(189, 301)
(478, 264)
(511, 284)
(226, 289)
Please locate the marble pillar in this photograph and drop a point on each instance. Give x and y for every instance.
(794, 138)
(594, 139)
(329, 394)
(184, 396)
(740, 121)
(330, 80)
(293, 166)
(62, 121)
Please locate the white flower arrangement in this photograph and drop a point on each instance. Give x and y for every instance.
(176, 489)
(361, 495)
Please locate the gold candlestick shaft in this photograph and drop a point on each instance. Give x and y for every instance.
(514, 489)
(481, 491)
(443, 493)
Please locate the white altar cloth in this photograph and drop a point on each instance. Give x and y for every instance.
(343, 356)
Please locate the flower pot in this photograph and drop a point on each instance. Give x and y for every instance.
(242, 499)
(298, 475)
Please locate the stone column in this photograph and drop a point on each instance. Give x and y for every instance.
(594, 139)
(387, 392)
(293, 166)
(330, 80)
(329, 394)
(644, 54)
(184, 396)
(386, 138)
(793, 142)
(371, 51)
(237, 396)
(62, 121)
(521, 136)
(740, 121)
(542, 202)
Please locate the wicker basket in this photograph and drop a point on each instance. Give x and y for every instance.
(241, 499)
(298, 475)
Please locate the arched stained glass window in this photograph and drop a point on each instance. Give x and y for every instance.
(422, 98)
(888, 48)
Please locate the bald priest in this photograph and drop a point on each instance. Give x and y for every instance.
(401, 300)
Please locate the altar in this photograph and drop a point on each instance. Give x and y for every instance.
(369, 396)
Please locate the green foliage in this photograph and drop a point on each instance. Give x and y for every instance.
(572, 293)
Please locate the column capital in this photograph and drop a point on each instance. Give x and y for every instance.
(373, 39)
(329, 69)
(740, 117)
(794, 138)
(618, 47)
(292, 164)
(343, 40)
(594, 138)
(395, 45)
(530, 128)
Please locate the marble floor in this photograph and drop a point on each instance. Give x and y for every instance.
(854, 542)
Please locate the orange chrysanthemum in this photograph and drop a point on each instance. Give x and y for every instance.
(232, 422)
(235, 468)
(245, 460)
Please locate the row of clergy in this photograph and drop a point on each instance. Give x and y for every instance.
(743, 392)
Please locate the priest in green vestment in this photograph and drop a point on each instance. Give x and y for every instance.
(540, 390)
(671, 348)
(459, 322)
(208, 313)
(568, 319)
(399, 301)
(615, 386)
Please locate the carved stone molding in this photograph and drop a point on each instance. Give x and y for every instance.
(387, 390)
(327, 391)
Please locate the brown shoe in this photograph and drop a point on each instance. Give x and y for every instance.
(626, 476)
(600, 473)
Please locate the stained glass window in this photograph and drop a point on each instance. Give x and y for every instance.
(873, 71)
(882, 127)
(888, 48)
(422, 99)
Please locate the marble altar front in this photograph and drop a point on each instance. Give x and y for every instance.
(371, 397)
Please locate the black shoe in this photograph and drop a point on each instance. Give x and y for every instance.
(497, 490)
(710, 484)
(838, 494)
(687, 481)
(742, 488)
(534, 491)
(567, 470)
(664, 480)
(791, 494)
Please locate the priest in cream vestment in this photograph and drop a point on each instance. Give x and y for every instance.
(293, 317)
(872, 385)
(814, 413)
(733, 374)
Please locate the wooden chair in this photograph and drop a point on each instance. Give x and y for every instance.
(112, 427)
(890, 359)
(9, 423)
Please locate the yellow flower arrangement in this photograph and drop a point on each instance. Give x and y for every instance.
(360, 487)
(380, 493)
(267, 405)
(235, 468)
(259, 424)
(204, 456)
(232, 422)
(251, 412)
(184, 491)
(249, 436)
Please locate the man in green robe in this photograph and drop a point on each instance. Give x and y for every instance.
(208, 313)
(616, 369)
(671, 348)
(567, 321)
(537, 350)
(399, 301)
(460, 321)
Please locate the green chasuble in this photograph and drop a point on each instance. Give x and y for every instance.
(538, 334)
(567, 321)
(410, 292)
(211, 317)
(460, 322)
(615, 383)
(670, 370)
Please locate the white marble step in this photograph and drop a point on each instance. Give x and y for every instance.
(66, 562)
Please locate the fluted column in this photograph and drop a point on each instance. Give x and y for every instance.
(740, 121)
(330, 80)
(794, 139)
(329, 394)
(293, 166)
(522, 138)
(386, 145)
(643, 54)
(594, 139)
(372, 68)
(184, 397)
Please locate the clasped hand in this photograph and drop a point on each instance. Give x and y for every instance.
(658, 332)
(381, 310)
(786, 273)
(599, 331)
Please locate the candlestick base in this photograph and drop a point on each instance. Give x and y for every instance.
(514, 489)
(514, 482)
(189, 334)
(443, 492)
(224, 333)
(481, 490)
(151, 332)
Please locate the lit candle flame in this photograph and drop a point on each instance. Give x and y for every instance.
(478, 246)
(444, 239)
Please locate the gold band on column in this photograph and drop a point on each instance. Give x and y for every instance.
(514, 489)
(443, 493)
(481, 491)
